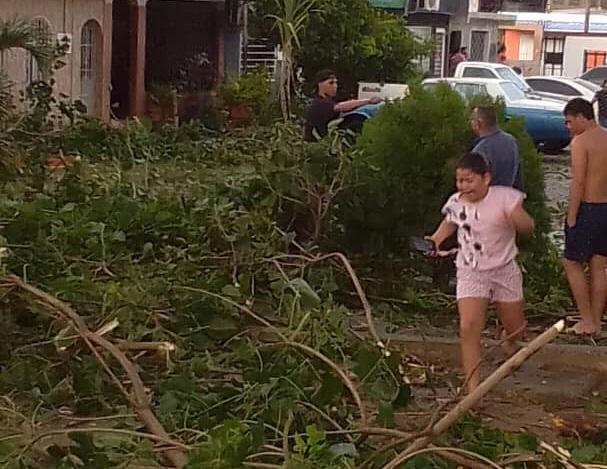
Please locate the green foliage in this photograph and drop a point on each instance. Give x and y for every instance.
(227, 447)
(356, 40)
(21, 33)
(251, 89)
(313, 452)
(360, 43)
(172, 232)
(403, 172)
(471, 435)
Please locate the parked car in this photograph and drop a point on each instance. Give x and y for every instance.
(543, 118)
(596, 75)
(355, 119)
(496, 71)
(563, 87)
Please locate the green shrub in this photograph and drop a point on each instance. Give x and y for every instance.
(402, 170)
(251, 89)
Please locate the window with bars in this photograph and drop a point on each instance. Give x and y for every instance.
(89, 58)
(553, 55)
(42, 37)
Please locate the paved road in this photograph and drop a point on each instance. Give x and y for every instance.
(556, 179)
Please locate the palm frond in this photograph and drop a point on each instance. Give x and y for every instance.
(19, 33)
(6, 96)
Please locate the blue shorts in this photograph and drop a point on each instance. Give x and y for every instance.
(588, 237)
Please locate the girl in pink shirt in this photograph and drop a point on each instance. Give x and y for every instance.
(487, 219)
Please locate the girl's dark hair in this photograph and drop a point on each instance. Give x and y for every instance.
(474, 162)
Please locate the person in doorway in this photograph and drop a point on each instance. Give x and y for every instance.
(461, 55)
(324, 108)
(500, 148)
(586, 223)
(501, 54)
(486, 219)
(601, 98)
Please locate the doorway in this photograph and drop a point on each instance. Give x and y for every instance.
(121, 59)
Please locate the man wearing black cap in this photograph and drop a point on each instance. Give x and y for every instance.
(324, 109)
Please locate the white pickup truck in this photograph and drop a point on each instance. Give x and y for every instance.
(491, 71)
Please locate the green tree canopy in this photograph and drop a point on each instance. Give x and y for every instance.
(356, 40)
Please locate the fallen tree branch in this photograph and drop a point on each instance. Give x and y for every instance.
(447, 453)
(117, 431)
(138, 398)
(305, 348)
(505, 370)
(459, 458)
(338, 370)
(351, 272)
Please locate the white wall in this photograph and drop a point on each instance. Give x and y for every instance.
(573, 58)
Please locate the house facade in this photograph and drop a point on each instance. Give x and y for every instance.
(452, 24)
(119, 48)
(524, 44)
(571, 42)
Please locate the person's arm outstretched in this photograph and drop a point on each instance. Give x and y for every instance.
(444, 230)
(347, 106)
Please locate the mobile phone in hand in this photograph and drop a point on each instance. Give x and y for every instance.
(425, 246)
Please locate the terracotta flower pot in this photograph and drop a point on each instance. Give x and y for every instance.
(54, 162)
(240, 115)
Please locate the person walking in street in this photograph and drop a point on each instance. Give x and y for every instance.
(486, 219)
(324, 108)
(500, 148)
(586, 223)
(601, 98)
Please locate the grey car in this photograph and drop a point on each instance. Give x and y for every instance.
(596, 75)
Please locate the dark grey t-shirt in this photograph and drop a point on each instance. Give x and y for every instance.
(501, 150)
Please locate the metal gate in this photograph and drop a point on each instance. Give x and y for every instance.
(478, 45)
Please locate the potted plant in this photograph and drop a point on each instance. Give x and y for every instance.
(195, 82)
(162, 104)
(245, 96)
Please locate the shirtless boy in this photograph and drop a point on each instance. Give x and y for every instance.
(586, 225)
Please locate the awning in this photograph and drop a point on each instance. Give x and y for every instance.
(391, 4)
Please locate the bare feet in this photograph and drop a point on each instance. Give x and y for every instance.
(585, 328)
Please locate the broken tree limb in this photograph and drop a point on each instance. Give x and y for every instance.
(337, 369)
(138, 397)
(505, 370)
(448, 453)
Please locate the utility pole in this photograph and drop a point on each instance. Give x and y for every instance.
(587, 17)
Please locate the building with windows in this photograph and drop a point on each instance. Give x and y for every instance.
(554, 5)
(117, 49)
(523, 44)
(571, 42)
(452, 24)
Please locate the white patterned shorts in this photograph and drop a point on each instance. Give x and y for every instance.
(502, 284)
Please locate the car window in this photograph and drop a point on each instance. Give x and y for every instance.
(508, 74)
(596, 73)
(553, 86)
(468, 90)
(476, 72)
(512, 92)
(588, 84)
